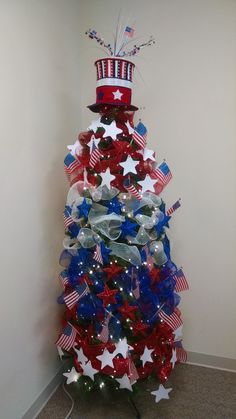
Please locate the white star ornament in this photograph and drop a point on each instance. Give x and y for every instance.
(71, 376)
(147, 184)
(161, 393)
(125, 382)
(107, 177)
(106, 359)
(111, 130)
(129, 165)
(74, 147)
(146, 357)
(148, 154)
(89, 370)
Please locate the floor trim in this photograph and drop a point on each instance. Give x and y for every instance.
(46, 394)
(211, 361)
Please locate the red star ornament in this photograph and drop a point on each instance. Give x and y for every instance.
(107, 296)
(112, 271)
(127, 311)
(140, 327)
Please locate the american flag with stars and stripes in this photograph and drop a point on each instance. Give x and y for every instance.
(104, 335)
(181, 355)
(163, 173)
(174, 207)
(140, 135)
(67, 337)
(132, 190)
(95, 156)
(129, 31)
(63, 277)
(70, 164)
(133, 373)
(73, 297)
(181, 281)
(98, 254)
(68, 220)
(173, 320)
(135, 281)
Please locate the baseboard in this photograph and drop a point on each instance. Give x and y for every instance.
(46, 394)
(194, 358)
(211, 361)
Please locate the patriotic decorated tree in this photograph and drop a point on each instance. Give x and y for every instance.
(122, 322)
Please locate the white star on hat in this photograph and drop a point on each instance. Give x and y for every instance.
(117, 94)
(161, 393)
(129, 165)
(147, 184)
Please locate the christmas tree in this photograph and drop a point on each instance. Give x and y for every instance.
(121, 323)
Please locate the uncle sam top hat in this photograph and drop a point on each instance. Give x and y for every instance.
(115, 73)
(114, 83)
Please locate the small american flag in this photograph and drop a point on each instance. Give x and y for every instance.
(68, 220)
(136, 290)
(98, 254)
(133, 373)
(140, 135)
(64, 278)
(173, 320)
(174, 207)
(67, 337)
(73, 297)
(129, 31)
(104, 335)
(131, 189)
(181, 281)
(70, 164)
(95, 156)
(163, 173)
(181, 355)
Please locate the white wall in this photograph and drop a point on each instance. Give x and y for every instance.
(39, 115)
(189, 92)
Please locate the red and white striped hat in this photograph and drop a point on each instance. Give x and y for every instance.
(114, 83)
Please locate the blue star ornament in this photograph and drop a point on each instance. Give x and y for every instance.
(128, 228)
(114, 205)
(164, 223)
(105, 253)
(84, 209)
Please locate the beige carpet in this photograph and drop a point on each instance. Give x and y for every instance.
(198, 393)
